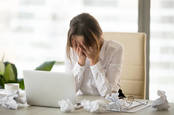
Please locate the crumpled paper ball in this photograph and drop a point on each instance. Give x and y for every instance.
(94, 106)
(21, 98)
(115, 104)
(112, 97)
(161, 103)
(14, 100)
(111, 103)
(66, 106)
(9, 102)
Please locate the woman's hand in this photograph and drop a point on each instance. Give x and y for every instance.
(80, 53)
(92, 53)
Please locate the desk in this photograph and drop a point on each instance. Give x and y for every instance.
(35, 110)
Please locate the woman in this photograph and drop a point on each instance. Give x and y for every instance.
(95, 63)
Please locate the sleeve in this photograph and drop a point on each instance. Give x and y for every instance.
(108, 80)
(78, 74)
(77, 70)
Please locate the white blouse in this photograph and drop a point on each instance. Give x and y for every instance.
(101, 78)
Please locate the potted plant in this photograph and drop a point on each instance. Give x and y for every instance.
(8, 72)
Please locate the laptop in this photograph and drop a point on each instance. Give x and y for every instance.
(47, 88)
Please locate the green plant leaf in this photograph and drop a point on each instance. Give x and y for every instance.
(10, 73)
(1, 82)
(21, 83)
(46, 66)
(15, 71)
(2, 68)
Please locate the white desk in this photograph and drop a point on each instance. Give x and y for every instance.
(35, 110)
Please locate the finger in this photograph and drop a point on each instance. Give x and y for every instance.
(83, 46)
(85, 53)
(78, 51)
(81, 50)
(76, 44)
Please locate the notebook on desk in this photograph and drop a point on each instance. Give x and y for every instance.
(138, 105)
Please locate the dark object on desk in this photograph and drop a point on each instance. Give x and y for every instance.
(121, 95)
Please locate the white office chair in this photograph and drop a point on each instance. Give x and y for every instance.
(133, 76)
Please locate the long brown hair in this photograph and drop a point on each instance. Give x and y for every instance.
(86, 25)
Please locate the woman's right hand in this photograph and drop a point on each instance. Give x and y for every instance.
(81, 55)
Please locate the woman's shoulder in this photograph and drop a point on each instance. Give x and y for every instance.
(114, 45)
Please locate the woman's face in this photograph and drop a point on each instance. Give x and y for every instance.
(77, 40)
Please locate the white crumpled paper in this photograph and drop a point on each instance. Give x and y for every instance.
(66, 105)
(8, 102)
(111, 103)
(115, 104)
(94, 106)
(161, 103)
(13, 100)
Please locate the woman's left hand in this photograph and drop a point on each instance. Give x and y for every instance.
(92, 53)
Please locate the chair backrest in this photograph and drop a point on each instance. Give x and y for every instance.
(133, 75)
